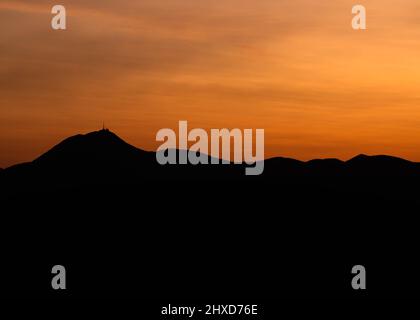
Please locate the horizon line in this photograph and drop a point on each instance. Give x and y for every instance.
(220, 159)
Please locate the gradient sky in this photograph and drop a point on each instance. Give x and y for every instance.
(294, 68)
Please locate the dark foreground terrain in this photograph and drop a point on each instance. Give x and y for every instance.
(124, 226)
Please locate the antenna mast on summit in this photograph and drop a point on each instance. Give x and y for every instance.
(103, 127)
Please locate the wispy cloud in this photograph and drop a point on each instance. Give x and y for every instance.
(295, 68)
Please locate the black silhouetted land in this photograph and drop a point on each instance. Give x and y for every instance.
(102, 157)
(126, 225)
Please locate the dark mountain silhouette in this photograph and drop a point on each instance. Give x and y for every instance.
(101, 152)
(206, 230)
(99, 146)
(102, 157)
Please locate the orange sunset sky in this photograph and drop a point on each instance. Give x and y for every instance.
(294, 68)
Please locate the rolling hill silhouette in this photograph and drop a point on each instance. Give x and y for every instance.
(102, 156)
(111, 205)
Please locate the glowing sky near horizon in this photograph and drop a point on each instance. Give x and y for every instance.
(294, 68)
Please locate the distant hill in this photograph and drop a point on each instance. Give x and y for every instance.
(101, 204)
(101, 157)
